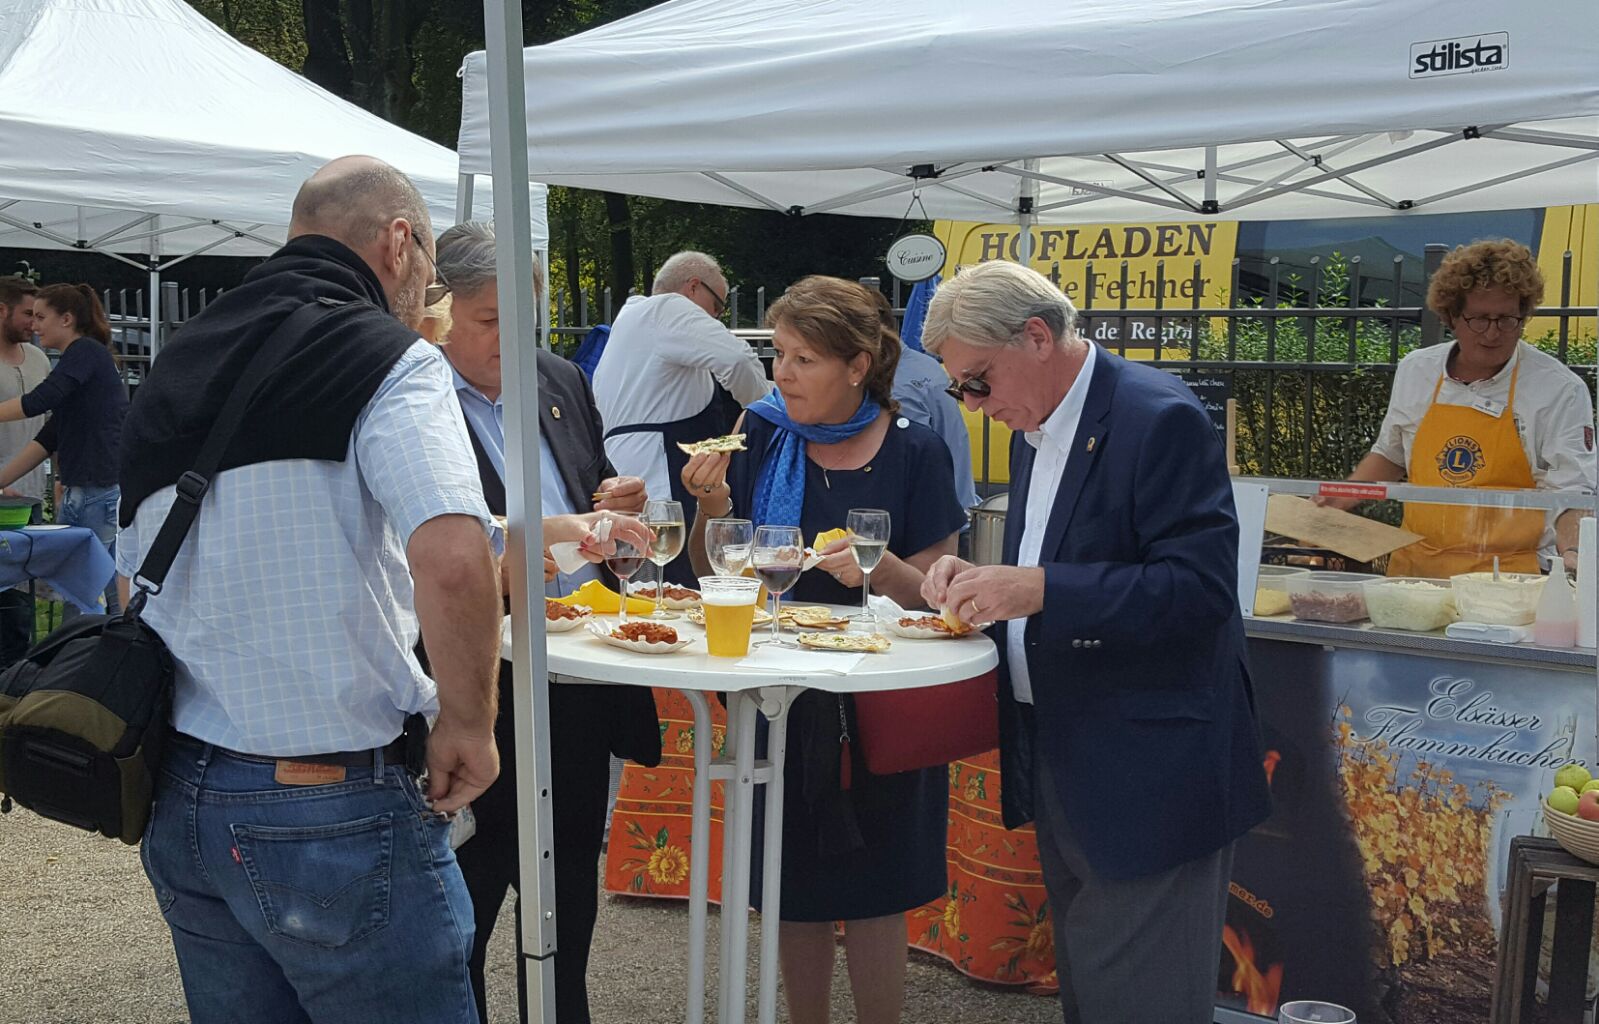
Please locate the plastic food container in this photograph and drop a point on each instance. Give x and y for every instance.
(1271, 588)
(1511, 600)
(1410, 603)
(1329, 596)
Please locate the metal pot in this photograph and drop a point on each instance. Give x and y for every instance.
(988, 530)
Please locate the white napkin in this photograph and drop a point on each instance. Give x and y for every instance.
(886, 609)
(567, 558)
(788, 659)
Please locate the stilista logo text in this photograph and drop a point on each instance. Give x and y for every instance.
(1460, 56)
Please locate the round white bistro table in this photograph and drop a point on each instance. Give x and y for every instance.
(577, 656)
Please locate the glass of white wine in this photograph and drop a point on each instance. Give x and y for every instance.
(778, 555)
(666, 519)
(868, 541)
(727, 545)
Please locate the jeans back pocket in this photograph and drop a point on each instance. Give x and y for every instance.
(325, 885)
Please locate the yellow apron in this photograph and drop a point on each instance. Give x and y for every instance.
(1461, 446)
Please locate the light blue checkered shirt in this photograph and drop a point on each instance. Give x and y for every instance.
(289, 608)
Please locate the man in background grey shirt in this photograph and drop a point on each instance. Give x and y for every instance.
(22, 366)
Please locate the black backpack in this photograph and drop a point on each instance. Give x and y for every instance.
(84, 715)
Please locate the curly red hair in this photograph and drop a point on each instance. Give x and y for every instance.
(1500, 263)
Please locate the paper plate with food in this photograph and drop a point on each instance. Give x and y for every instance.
(811, 617)
(696, 615)
(560, 617)
(714, 445)
(927, 627)
(641, 637)
(677, 598)
(854, 643)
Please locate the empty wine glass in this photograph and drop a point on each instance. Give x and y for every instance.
(868, 540)
(727, 545)
(1311, 1011)
(666, 519)
(778, 555)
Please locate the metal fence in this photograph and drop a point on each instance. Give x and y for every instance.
(1307, 357)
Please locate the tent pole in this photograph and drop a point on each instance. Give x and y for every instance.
(153, 244)
(1026, 216)
(463, 197)
(530, 662)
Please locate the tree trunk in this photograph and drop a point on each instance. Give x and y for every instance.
(572, 226)
(366, 80)
(620, 279)
(327, 61)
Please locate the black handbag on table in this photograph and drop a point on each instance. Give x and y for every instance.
(85, 714)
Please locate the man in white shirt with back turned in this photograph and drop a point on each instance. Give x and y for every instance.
(672, 373)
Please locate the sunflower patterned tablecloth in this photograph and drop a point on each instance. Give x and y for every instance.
(993, 924)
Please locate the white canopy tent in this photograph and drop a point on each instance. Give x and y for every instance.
(1033, 111)
(1096, 111)
(137, 128)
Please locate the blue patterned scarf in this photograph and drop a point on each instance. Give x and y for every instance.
(780, 484)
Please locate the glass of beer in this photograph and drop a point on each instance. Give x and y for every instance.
(729, 605)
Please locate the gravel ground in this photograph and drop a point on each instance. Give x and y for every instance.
(81, 942)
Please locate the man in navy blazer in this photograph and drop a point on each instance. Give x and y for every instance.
(1127, 727)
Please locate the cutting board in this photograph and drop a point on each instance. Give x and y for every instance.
(1344, 532)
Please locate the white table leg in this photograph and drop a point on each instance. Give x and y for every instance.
(774, 706)
(736, 818)
(699, 870)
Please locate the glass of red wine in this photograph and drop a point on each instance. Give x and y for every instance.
(778, 555)
(625, 560)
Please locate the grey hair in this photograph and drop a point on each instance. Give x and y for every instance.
(467, 262)
(681, 268)
(988, 305)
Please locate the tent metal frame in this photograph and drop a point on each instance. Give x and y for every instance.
(1162, 181)
(114, 243)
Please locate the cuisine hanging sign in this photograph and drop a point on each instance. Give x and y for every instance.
(914, 258)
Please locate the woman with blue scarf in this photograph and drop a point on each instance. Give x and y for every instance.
(830, 439)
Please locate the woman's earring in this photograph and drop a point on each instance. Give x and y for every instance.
(854, 383)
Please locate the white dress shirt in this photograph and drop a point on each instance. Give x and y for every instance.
(289, 609)
(1053, 442)
(658, 367)
(1553, 414)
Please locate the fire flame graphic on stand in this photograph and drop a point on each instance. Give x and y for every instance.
(1259, 990)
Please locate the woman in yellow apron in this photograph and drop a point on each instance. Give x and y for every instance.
(1452, 421)
(1464, 446)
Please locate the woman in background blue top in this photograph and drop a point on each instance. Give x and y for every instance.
(828, 440)
(87, 399)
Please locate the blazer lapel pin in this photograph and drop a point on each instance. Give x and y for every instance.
(555, 411)
(1091, 441)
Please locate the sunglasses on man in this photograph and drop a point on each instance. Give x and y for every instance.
(973, 385)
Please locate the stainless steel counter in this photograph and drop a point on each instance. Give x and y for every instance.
(1367, 637)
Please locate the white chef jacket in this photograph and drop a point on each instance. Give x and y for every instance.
(1553, 415)
(658, 367)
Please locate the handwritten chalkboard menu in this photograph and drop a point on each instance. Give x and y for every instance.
(1213, 388)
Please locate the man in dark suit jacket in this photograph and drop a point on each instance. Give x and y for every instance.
(587, 723)
(1127, 721)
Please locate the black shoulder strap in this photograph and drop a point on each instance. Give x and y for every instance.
(193, 485)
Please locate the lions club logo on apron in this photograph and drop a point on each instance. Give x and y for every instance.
(1460, 460)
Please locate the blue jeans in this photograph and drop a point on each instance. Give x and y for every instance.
(96, 508)
(324, 904)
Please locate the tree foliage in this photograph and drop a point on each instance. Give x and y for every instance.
(399, 59)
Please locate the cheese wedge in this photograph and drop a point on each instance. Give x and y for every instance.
(827, 537)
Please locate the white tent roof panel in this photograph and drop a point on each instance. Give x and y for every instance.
(128, 108)
(801, 103)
